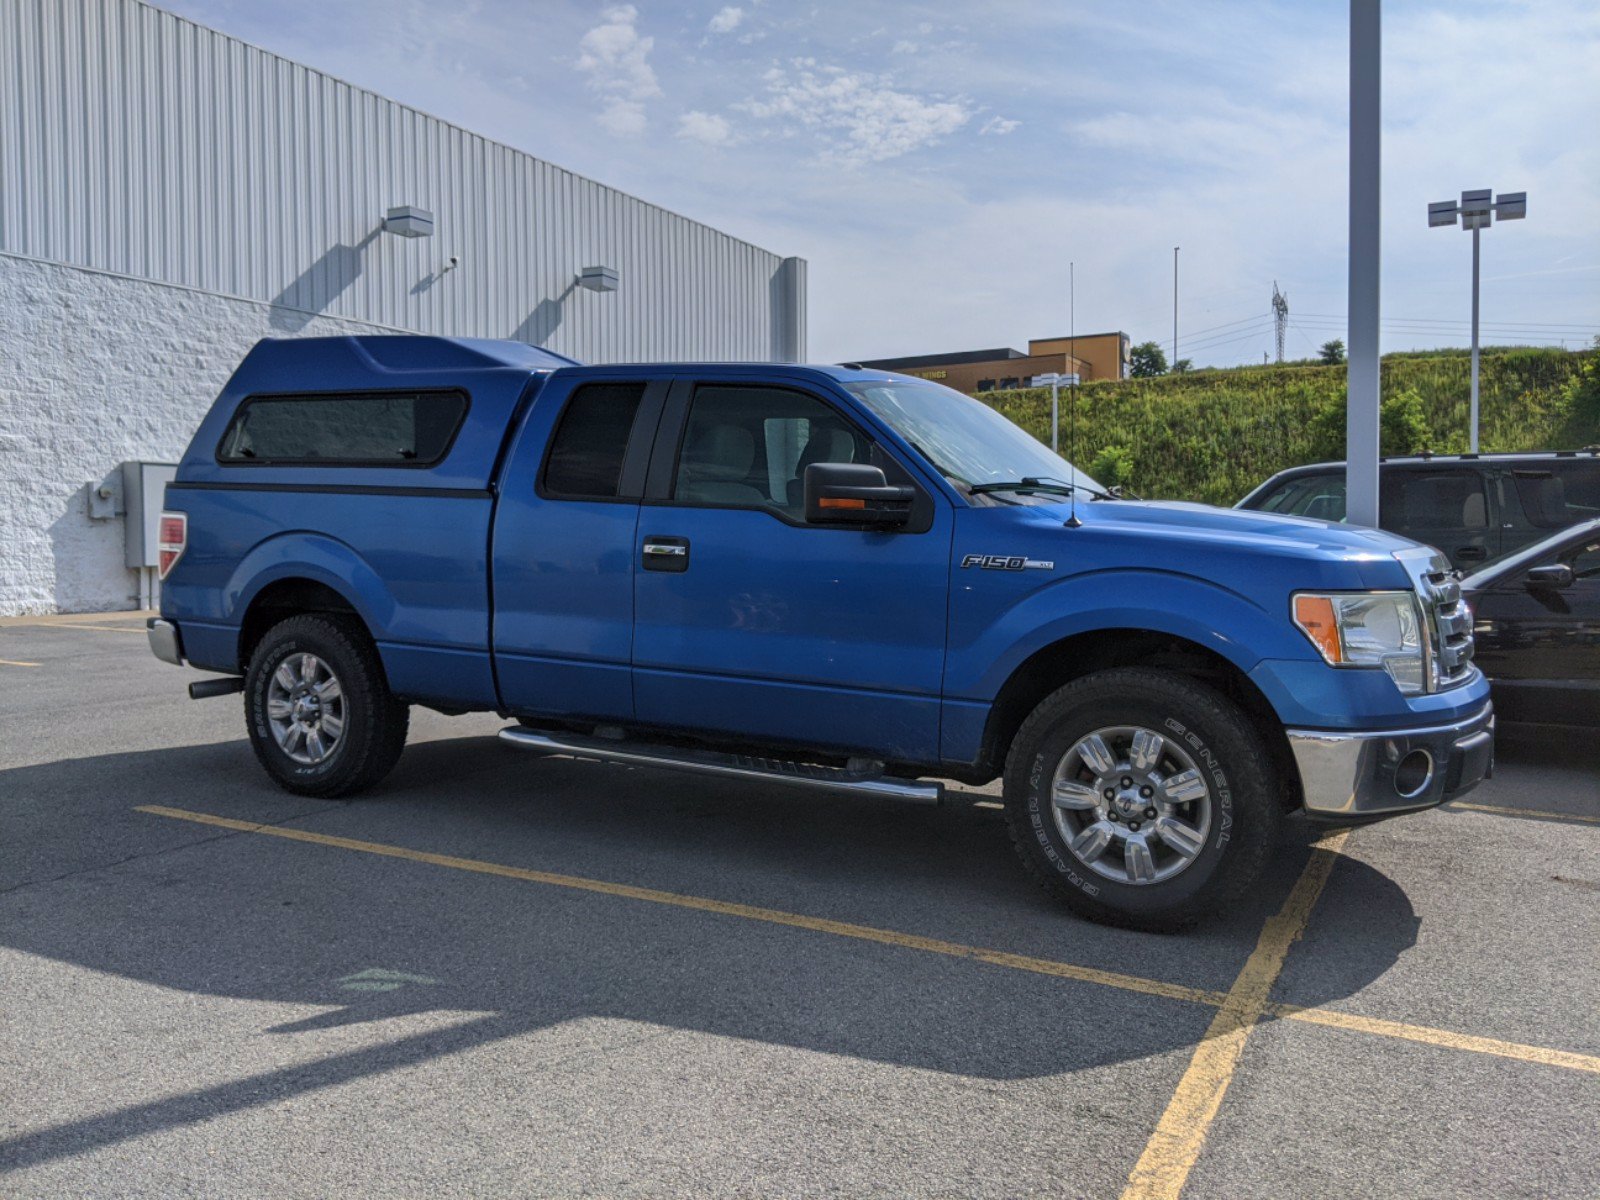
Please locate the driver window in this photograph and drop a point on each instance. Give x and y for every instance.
(749, 447)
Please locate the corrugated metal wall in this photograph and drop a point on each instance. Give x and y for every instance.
(137, 142)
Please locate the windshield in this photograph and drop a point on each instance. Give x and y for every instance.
(964, 439)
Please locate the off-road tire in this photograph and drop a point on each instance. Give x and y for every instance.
(1229, 751)
(375, 723)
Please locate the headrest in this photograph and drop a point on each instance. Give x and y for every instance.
(725, 452)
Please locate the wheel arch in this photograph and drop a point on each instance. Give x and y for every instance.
(286, 597)
(1073, 657)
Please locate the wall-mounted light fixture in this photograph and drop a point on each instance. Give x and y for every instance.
(598, 279)
(409, 221)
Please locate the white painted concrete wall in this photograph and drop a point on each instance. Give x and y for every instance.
(97, 369)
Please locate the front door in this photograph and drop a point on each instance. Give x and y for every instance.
(751, 622)
(1446, 508)
(1540, 644)
(564, 556)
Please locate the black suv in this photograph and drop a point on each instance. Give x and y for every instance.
(1473, 507)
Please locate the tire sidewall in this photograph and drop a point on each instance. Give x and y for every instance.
(1231, 765)
(277, 646)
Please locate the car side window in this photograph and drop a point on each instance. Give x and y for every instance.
(590, 441)
(1320, 496)
(1434, 500)
(749, 447)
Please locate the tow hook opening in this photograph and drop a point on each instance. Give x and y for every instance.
(1413, 774)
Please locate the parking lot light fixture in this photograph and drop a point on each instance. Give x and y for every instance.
(1476, 211)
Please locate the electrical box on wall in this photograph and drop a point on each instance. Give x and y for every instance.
(144, 494)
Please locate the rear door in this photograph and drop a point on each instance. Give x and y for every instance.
(1543, 497)
(563, 558)
(1443, 507)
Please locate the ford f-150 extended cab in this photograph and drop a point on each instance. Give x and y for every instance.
(818, 576)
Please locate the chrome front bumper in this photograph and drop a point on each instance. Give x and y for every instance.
(164, 641)
(1363, 776)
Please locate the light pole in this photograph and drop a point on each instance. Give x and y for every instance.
(1175, 307)
(1476, 211)
(1361, 411)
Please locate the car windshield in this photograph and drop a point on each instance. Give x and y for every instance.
(966, 440)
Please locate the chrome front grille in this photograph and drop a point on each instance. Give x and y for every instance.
(1449, 628)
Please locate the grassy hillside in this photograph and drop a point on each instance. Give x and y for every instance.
(1214, 435)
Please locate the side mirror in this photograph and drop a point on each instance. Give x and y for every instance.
(854, 494)
(1555, 575)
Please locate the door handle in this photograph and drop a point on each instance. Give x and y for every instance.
(1472, 553)
(666, 554)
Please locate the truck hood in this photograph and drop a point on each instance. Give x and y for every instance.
(1244, 528)
(1251, 553)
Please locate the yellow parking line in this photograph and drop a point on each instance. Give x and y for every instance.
(1020, 962)
(6, 662)
(1505, 810)
(1170, 1154)
(104, 628)
(1333, 1019)
(888, 937)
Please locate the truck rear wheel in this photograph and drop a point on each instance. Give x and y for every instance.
(321, 717)
(1141, 797)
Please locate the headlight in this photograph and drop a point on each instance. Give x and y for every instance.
(1367, 629)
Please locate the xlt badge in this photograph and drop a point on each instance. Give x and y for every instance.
(1006, 562)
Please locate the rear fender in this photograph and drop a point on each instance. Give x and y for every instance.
(314, 556)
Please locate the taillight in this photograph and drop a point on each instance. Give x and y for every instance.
(170, 543)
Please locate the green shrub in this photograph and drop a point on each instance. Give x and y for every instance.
(1213, 435)
(1113, 466)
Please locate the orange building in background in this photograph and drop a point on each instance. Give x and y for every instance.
(1092, 356)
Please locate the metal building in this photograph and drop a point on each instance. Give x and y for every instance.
(169, 194)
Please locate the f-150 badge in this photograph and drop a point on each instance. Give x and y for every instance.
(1006, 562)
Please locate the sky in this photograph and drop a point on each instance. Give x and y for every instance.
(940, 165)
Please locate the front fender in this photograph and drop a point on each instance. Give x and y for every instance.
(992, 634)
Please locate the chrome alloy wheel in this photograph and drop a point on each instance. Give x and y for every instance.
(1131, 804)
(305, 707)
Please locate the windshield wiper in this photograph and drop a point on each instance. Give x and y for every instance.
(1028, 483)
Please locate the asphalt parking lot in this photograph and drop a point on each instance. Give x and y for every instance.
(504, 974)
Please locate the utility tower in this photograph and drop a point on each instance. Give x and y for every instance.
(1280, 317)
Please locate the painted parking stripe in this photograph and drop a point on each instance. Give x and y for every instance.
(1334, 1019)
(1020, 962)
(1538, 814)
(888, 937)
(6, 662)
(1171, 1153)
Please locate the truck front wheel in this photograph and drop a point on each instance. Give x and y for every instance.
(1141, 797)
(321, 717)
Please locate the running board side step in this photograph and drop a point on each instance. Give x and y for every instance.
(734, 766)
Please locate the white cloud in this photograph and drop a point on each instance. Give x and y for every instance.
(726, 20)
(705, 127)
(998, 126)
(617, 61)
(864, 117)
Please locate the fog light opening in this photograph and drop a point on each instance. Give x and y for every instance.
(1414, 774)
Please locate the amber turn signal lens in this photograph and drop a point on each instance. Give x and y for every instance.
(840, 502)
(1314, 614)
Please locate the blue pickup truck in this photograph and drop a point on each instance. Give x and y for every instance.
(814, 576)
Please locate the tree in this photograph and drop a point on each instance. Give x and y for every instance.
(1182, 365)
(1147, 359)
(1332, 352)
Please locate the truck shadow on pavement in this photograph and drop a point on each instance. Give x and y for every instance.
(338, 937)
